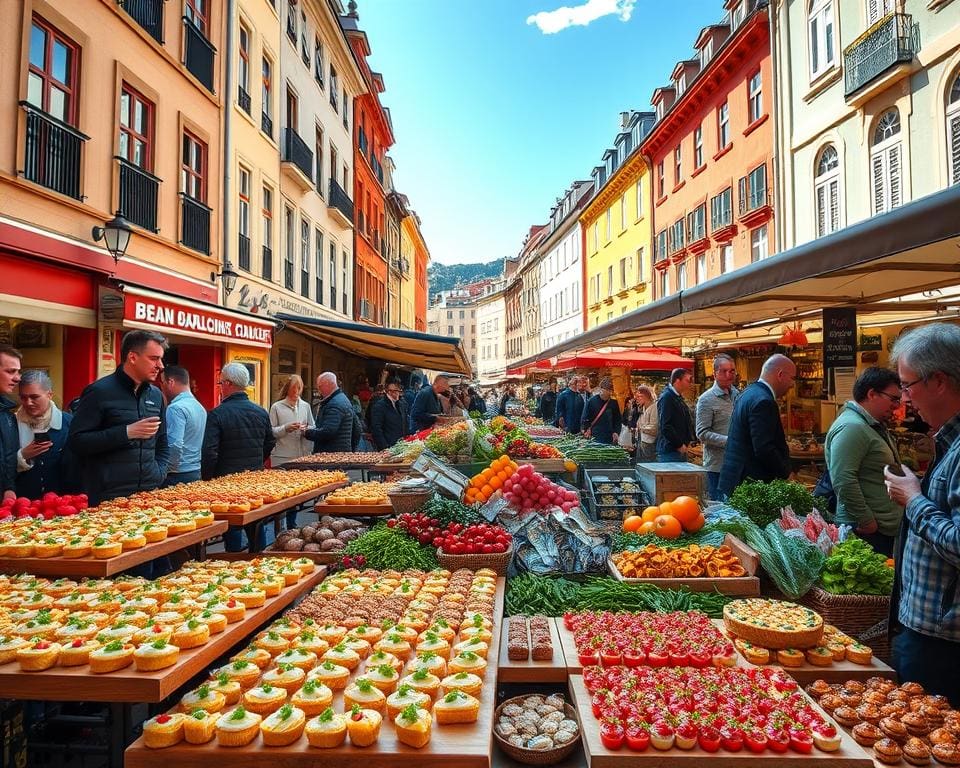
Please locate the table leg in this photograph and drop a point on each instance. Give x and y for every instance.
(253, 541)
(120, 725)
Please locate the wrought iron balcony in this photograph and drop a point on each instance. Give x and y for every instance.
(340, 204)
(199, 54)
(52, 153)
(243, 251)
(194, 224)
(138, 195)
(267, 266)
(296, 151)
(243, 99)
(266, 124)
(148, 14)
(888, 43)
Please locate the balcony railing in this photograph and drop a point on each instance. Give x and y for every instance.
(288, 274)
(756, 198)
(243, 99)
(886, 44)
(721, 216)
(138, 195)
(296, 151)
(267, 266)
(148, 14)
(199, 53)
(194, 224)
(52, 153)
(266, 124)
(340, 201)
(243, 251)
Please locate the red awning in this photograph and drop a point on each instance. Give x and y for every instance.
(635, 360)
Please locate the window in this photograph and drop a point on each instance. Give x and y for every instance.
(676, 236)
(318, 154)
(318, 60)
(723, 126)
(449, 314)
(53, 74)
(639, 203)
(661, 180)
(736, 15)
(721, 210)
(346, 109)
(885, 163)
(304, 258)
(318, 254)
(663, 282)
(623, 273)
(706, 53)
(697, 223)
(136, 128)
(677, 165)
(623, 212)
(660, 248)
(756, 97)
(243, 67)
(698, 147)
(243, 188)
(334, 87)
(681, 84)
(610, 281)
(701, 268)
(333, 164)
(333, 275)
(827, 191)
(462, 314)
(726, 258)
(462, 331)
(293, 110)
(953, 131)
(681, 277)
(288, 227)
(193, 167)
(758, 187)
(343, 283)
(266, 213)
(758, 244)
(196, 11)
(641, 267)
(266, 90)
(877, 9)
(304, 48)
(449, 330)
(820, 30)
(292, 20)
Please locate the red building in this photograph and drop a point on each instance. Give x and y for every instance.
(372, 137)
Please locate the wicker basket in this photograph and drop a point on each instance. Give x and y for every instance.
(533, 756)
(496, 562)
(408, 502)
(853, 614)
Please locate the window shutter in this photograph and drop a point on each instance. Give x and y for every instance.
(814, 47)
(834, 198)
(742, 193)
(953, 131)
(873, 12)
(821, 210)
(877, 171)
(893, 172)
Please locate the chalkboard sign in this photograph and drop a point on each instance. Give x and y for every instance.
(839, 337)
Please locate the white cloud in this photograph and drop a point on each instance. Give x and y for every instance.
(551, 22)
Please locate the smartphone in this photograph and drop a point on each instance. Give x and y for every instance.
(41, 437)
(896, 469)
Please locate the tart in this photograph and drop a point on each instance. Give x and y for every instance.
(159, 654)
(312, 698)
(332, 633)
(250, 596)
(846, 716)
(272, 642)
(38, 656)
(76, 653)
(237, 728)
(413, 726)
(104, 548)
(9, 645)
(310, 641)
(866, 734)
(216, 621)
(296, 657)
(191, 634)
(163, 730)
(152, 632)
(228, 687)
(476, 644)
(403, 697)
(395, 644)
(254, 655)
(111, 657)
(283, 727)
(367, 633)
(818, 688)
(286, 676)
(327, 730)
(423, 681)
(379, 658)
(946, 754)
(790, 657)
(345, 657)
(204, 697)
(826, 738)
(366, 695)
(869, 713)
(819, 656)
(358, 645)
(467, 682)
(858, 653)
(887, 751)
(468, 661)
(264, 699)
(916, 723)
(199, 726)
(234, 610)
(332, 675)
(244, 672)
(773, 624)
(433, 643)
(456, 707)
(363, 726)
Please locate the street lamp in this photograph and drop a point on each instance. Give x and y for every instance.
(229, 278)
(115, 235)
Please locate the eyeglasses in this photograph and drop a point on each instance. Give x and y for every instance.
(892, 398)
(906, 387)
(221, 383)
(393, 391)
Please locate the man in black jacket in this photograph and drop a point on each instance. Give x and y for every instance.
(338, 426)
(426, 406)
(674, 427)
(9, 433)
(118, 430)
(547, 407)
(601, 418)
(389, 421)
(756, 444)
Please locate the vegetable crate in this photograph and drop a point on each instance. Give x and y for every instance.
(614, 494)
(665, 481)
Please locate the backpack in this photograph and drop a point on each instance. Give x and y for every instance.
(824, 490)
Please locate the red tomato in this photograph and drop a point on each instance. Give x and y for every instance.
(634, 657)
(801, 741)
(731, 739)
(588, 658)
(610, 657)
(657, 658)
(778, 740)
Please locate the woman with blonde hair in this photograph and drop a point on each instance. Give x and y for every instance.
(289, 417)
(646, 424)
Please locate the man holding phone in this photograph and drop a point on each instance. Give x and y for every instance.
(118, 428)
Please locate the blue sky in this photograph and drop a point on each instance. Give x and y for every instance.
(494, 118)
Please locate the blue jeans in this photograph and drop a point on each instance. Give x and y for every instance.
(176, 478)
(713, 483)
(926, 660)
(671, 456)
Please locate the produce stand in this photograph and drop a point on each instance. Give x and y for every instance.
(850, 754)
(450, 746)
(354, 510)
(95, 568)
(530, 671)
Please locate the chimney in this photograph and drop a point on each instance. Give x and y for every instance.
(352, 10)
(624, 120)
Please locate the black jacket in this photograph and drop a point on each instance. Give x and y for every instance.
(426, 408)
(756, 445)
(502, 408)
(477, 404)
(238, 437)
(569, 407)
(54, 470)
(602, 429)
(338, 426)
(113, 464)
(9, 445)
(548, 406)
(389, 422)
(674, 427)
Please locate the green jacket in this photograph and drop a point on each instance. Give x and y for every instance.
(857, 449)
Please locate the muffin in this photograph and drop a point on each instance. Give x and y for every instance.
(237, 728)
(163, 731)
(456, 707)
(283, 727)
(327, 730)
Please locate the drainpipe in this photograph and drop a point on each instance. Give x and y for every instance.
(228, 88)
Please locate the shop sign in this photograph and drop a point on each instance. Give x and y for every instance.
(871, 342)
(839, 337)
(257, 300)
(161, 314)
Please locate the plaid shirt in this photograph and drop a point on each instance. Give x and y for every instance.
(930, 562)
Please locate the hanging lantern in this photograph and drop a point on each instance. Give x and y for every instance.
(793, 336)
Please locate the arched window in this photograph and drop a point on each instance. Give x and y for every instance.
(953, 130)
(821, 31)
(827, 190)
(886, 162)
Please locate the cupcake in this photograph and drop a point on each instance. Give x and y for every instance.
(264, 699)
(163, 730)
(423, 681)
(159, 654)
(237, 728)
(413, 726)
(283, 727)
(332, 675)
(456, 707)
(866, 734)
(365, 694)
(312, 698)
(363, 726)
(204, 697)
(286, 676)
(327, 730)
(111, 657)
(468, 661)
(199, 726)
(462, 681)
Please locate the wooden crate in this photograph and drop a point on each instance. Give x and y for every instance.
(530, 671)
(665, 481)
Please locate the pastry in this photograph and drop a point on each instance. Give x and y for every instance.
(163, 730)
(858, 653)
(432, 642)
(421, 680)
(285, 676)
(332, 675)
(456, 707)
(790, 657)
(869, 713)
(359, 646)
(250, 596)
(9, 645)
(153, 631)
(374, 660)
(826, 738)
(283, 727)
(216, 621)
(773, 624)
(237, 728)
(327, 730)
(365, 694)
(413, 726)
(887, 751)
(199, 726)
(946, 754)
(941, 736)
(296, 657)
(866, 734)
(384, 677)
(403, 697)
(257, 656)
(111, 657)
(363, 726)
(243, 672)
(228, 687)
(819, 656)
(916, 752)
(916, 724)
(38, 655)
(191, 634)
(312, 698)
(468, 661)
(846, 716)
(462, 681)
(431, 662)
(395, 644)
(892, 729)
(264, 699)
(272, 642)
(345, 657)
(818, 688)
(308, 640)
(204, 697)
(159, 654)
(76, 653)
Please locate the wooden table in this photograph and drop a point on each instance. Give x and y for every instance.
(92, 567)
(850, 754)
(128, 685)
(451, 746)
(530, 671)
(354, 510)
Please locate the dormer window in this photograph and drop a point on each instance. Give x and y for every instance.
(736, 16)
(706, 53)
(681, 84)
(659, 110)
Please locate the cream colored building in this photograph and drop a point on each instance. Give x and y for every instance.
(491, 336)
(455, 315)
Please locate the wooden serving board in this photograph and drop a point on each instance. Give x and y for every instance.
(850, 754)
(530, 671)
(450, 746)
(386, 468)
(545, 465)
(128, 685)
(236, 519)
(744, 586)
(837, 672)
(354, 510)
(91, 566)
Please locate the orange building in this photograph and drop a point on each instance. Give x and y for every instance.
(372, 137)
(711, 155)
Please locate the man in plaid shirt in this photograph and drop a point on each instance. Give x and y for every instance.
(925, 606)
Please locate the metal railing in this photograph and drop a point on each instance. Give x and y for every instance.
(266, 268)
(243, 99)
(340, 200)
(266, 124)
(148, 14)
(194, 224)
(888, 43)
(296, 151)
(721, 214)
(696, 229)
(138, 195)
(199, 54)
(52, 153)
(243, 251)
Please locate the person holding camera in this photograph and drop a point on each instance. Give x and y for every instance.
(43, 463)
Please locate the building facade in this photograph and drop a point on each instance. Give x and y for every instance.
(415, 250)
(615, 227)
(397, 269)
(869, 109)
(491, 335)
(454, 315)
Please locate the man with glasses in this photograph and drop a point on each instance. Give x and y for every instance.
(389, 420)
(925, 605)
(858, 447)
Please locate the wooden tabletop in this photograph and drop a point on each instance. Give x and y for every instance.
(128, 685)
(354, 510)
(450, 746)
(236, 519)
(530, 671)
(850, 754)
(91, 566)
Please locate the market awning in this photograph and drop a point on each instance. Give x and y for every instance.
(893, 267)
(636, 360)
(390, 345)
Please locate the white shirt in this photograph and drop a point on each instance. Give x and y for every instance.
(290, 445)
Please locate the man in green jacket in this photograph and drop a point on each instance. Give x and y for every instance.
(858, 447)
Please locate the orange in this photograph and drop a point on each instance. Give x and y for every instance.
(650, 514)
(632, 523)
(667, 527)
(666, 508)
(487, 490)
(570, 465)
(503, 475)
(696, 525)
(487, 473)
(495, 482)
(686, 510)
(646, 528)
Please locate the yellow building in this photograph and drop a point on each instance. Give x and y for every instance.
(616, 227)
(407, 283)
